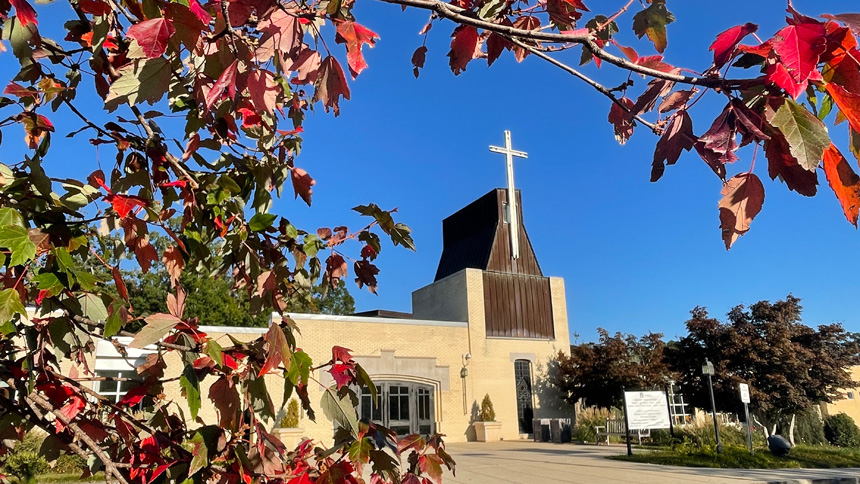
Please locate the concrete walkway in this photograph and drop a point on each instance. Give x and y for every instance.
(536, 463)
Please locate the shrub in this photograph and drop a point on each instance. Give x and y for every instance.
(808, 427)
(840, 430)
(292, 417)
(487, 412)
(25, 463)
(586, 419)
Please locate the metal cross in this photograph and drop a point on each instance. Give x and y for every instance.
(510, 153)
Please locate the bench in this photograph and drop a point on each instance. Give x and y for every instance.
(616, 427)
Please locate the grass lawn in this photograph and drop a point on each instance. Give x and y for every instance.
(739, 458)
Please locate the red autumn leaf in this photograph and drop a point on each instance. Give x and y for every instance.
(799, 47)
(339, 353)
(368, 252)
(306, 66)
(152, 35)
(648, 99)
(526, 22)
(133, 396)
(330, 85)
(71, 410)
(124, 204)
(302, 183)
(851, 20)
(779, 75)
(677, 137)
(187, 24)
(844, 182)
(119, 283)
(621, 120)
(654, 62)
(25, 12)
(354, 36)
(191, 146)
(94, 7)
(343, 374)
(418, 58)
(227, 80)
(365, 273)
(336, 268)
(280, 32)
(848, 102)
(676, 100)
(743, 197)
(250, 118)
(19, 91)
(463, 46)
(200, 12)
(720, 138)
(496, 44)
(263, 90)
(173, 263)
(628, 52)
(782, 164)
(724, 46)
(278, 350)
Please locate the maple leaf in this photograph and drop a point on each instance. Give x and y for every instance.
(187, 23)
(124, 204)
(418, 58)
(306, 67)
(173, 263)
(335, 268)
(354, 36)
(848, 103)
(227, 80)
(648, 99)
(141, 80)
(94, 7)
(263, 90)
(851, 20)
(621, 120)
(778, 75)
(799, 47)
(844, 182)
(676, 100)
(724, 46)
(280, 32)
(806, 135)
(330, 85)
(526, 22)
(783, 165)
(24, 11)
(677, 137)
(152, 35)
(366, 275)
(719, 141)
(496, 44)
(302, 183)
(463, 46)
(652, 22)
(743, 197)
(343, 374)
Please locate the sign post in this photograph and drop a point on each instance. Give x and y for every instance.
(645, 409)
(626, 423)
(745, 397)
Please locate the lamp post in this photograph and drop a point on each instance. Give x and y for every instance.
(708, 369)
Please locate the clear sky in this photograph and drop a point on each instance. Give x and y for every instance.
(636, 256)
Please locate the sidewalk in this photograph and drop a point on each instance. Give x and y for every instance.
(525, 462)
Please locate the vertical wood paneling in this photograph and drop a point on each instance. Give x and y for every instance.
(517, 306)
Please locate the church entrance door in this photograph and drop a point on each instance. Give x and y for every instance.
(404, 407)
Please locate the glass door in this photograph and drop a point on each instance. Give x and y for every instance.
(399, 415)
(406, 408)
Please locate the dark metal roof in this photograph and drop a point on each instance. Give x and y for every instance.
(384, 313)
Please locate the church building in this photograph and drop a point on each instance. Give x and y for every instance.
(491, 323)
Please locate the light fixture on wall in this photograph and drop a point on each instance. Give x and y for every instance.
(464, 372)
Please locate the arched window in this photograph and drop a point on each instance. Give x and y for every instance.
(525, 405)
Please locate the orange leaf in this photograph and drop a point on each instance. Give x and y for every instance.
(354, 36)
(848, 102)
(844, 182)
(302, 183)
(743, 197)
(174, 263)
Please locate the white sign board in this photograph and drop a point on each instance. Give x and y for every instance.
(745, 393)
(647, 410)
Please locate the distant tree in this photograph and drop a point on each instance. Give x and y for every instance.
(596, 373)
(788, 365)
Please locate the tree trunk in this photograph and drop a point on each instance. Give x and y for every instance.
(791, 429)
(763, 427)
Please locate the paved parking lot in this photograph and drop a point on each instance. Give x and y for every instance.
(536, 463)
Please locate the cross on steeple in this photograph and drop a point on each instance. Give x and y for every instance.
(509, 153)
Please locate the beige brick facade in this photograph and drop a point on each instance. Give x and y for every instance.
(448, 323)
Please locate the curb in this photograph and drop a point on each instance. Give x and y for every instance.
(821, 480)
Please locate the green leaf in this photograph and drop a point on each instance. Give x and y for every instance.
(10, 216)
(65, 263)
(214, 350)
(300, 368)
(262, 221)
(17, 240)
(48, 281)
(400, 236)
(492, 8)
(142, 80)
(114, 321)
(311, 245)
(93, 307)
(652, 22)
(200, 454)
(157, 326)
(806, 135)
(10, 304)
(190, 385)
(340, 410)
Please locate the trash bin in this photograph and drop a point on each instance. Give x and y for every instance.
(556, 430)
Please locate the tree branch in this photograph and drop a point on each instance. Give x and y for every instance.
(591, 82)
(463, 16)
(172, 160)
(110, 467)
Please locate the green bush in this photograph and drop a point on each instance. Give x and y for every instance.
(292, 417)
(586, 419)
(808, 427)
(840, 430)
(487, 412)
(25, 463)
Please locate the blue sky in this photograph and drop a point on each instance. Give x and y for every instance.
(636, 256)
